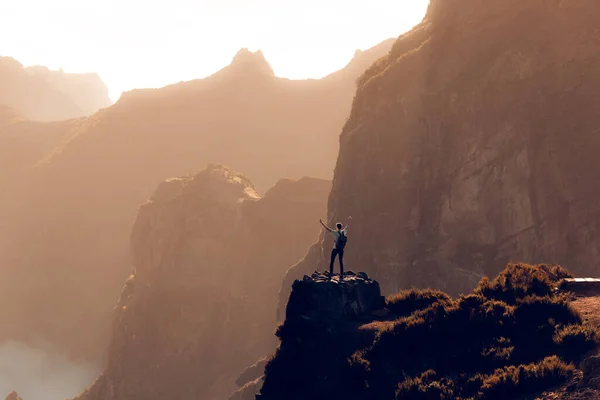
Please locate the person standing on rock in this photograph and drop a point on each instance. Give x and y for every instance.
(339, 243)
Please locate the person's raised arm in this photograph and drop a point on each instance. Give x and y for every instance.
(325, 226)
(348, 224)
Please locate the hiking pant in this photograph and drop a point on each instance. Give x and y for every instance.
(334, 253)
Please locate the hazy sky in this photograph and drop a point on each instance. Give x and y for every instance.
(151, 43)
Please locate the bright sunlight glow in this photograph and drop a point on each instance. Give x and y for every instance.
(151, 43)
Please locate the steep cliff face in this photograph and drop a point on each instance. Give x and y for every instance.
(77, 205)
(474, 142)
(209, 255)
(23, 144)
(44, 95)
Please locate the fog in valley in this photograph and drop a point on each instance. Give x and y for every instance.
(42, 372)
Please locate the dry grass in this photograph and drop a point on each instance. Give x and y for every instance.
(510, 337)
(409, 301)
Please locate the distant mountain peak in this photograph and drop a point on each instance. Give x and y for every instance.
(251, 62)
(9, 63)
(42, 94)
(13, 396)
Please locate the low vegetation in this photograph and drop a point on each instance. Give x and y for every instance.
(512, 336)
(409, 301)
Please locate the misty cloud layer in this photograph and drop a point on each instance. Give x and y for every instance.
(42, 374)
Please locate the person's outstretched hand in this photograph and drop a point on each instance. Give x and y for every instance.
(350, 217)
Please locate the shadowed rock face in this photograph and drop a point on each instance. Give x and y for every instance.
(69, 221)
(44, 95)
(319, 310)
(317, 337)
(473, 143)
(200, 307)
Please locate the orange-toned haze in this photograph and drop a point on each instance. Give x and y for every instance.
(69, 226)
(151, 43)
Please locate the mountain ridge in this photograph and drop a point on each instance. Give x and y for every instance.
(41, 94)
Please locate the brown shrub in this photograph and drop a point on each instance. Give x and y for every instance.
(426, 387)
(488, 339)
(409, 301)
(574, 340)
(518, 281)
(513, 381)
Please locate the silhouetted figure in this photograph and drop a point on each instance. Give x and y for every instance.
(339, 243)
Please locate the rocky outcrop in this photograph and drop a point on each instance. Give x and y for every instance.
(252, 373)
(44, 95)
(471, 144)
(322, 299)
(320, 332)
(318, 303)
(76, 202)
(250, 381)
(209, 254)
(249, 390)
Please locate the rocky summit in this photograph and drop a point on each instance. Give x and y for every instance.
(321, 328)
(323, 298)
(318, 303)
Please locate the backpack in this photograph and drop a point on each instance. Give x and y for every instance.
(340, 243)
